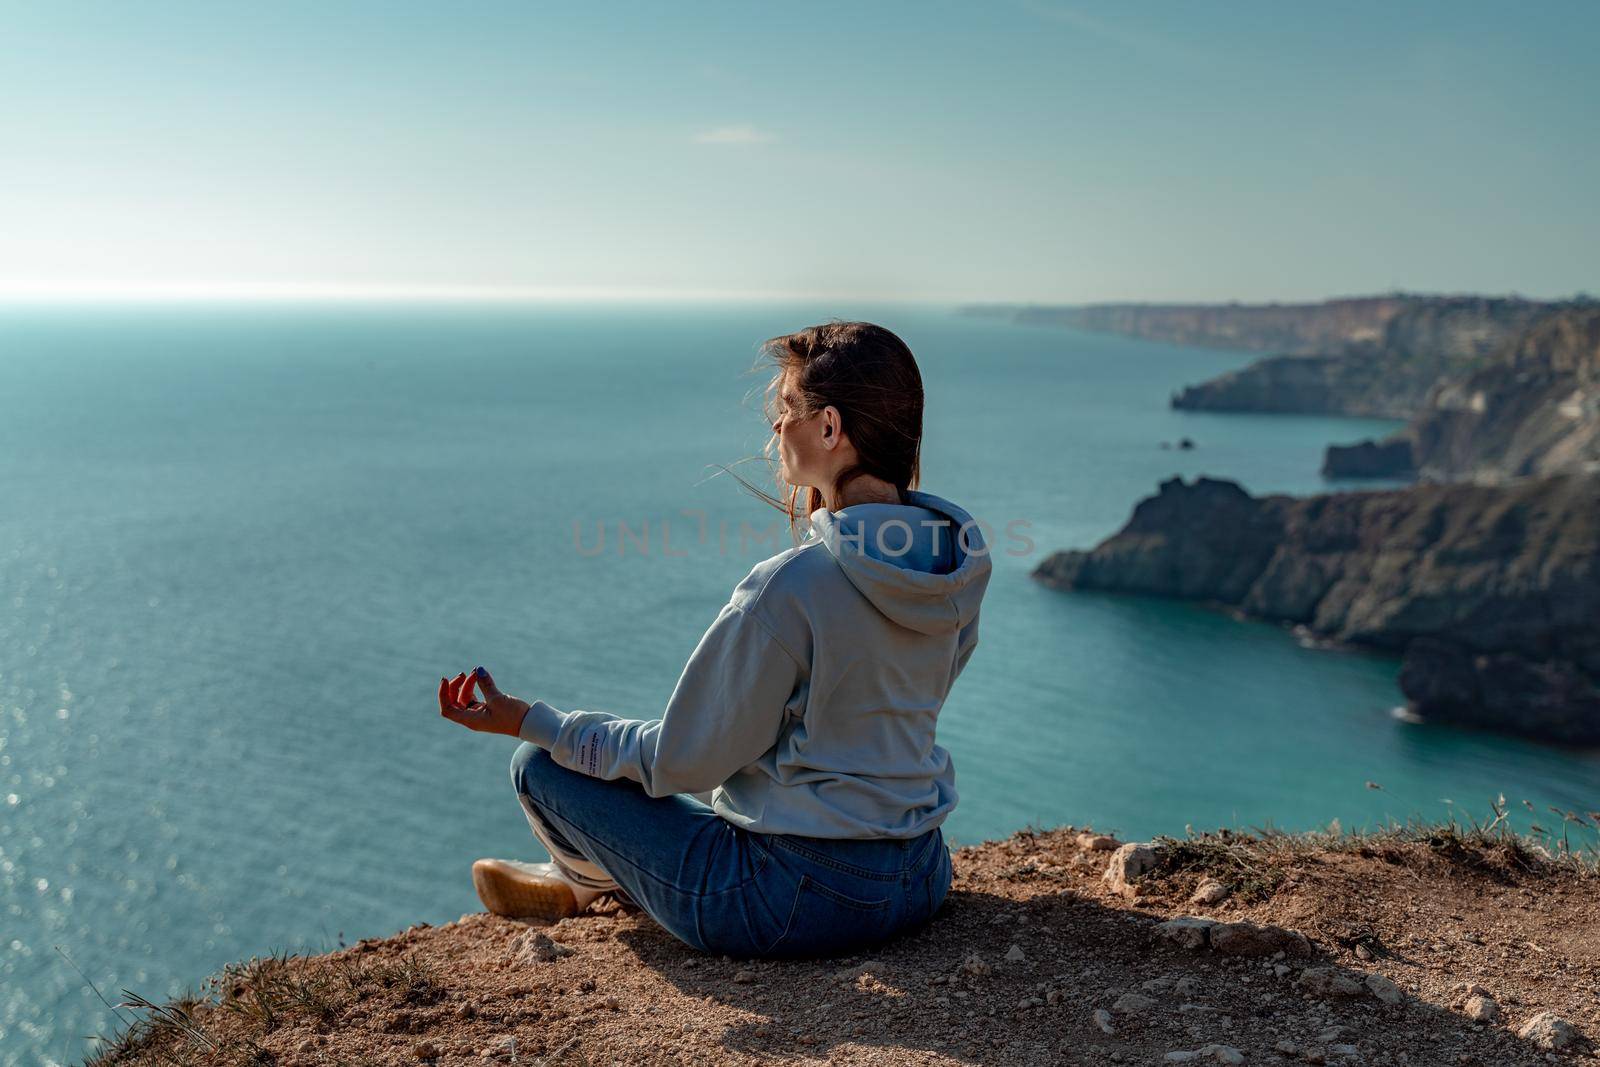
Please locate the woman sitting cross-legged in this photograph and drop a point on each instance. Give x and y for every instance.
(789, 800)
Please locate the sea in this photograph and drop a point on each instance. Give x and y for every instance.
(241, 543)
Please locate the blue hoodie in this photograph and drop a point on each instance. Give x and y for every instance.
(809, 705)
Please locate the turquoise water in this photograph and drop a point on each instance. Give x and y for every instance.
(239, 546)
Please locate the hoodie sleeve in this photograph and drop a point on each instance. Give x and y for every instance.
(726, 710)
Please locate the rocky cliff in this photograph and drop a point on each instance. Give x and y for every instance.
(1533, 410)
(1427, 341)
(1489, 592)
(1297, 329)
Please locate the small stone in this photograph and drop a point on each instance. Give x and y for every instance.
(859, 970)
(1280, 970)
(1363, 952)
(306, 1045)
(612, 1003)
(1549, 1031)
(1133, 1004)
(1098, 843)
(1178, 1055)
(1248, 939)
(586, 986)
(1102, 1019)
(1287, 1047)
(1210, 891)
(1348, 1051)
(1187, 986)
(1384, 989)
(538, 946)
(975, 966)
(1481, 1009)
(1222, 1053)
(1328, 982)
(1188, 931)
(1014, 954)
(466, 1011)
(425, 1050)
(1128, 864)
(744, 977)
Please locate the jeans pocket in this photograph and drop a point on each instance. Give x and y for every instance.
(827, 922)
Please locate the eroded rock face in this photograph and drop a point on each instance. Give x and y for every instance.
(1533, 411)
(1390, 458)
(1554, 700)
(1429, 341)
(1490, 590)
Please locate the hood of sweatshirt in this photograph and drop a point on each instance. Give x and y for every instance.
(923, 564)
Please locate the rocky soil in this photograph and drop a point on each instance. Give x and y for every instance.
(1490, 592)
(1424, 947)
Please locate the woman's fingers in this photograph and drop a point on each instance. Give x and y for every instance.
(455, 690)
(447, 705)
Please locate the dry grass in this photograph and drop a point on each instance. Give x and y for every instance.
(1257, 863)
(266, 993)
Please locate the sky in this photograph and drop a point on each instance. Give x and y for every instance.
(1014, 150)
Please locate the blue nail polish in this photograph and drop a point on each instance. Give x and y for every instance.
(480, 672)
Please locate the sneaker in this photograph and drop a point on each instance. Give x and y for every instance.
(528, 890)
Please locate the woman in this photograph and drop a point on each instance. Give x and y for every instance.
(789, 800)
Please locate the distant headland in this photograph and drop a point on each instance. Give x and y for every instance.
(1484, 576)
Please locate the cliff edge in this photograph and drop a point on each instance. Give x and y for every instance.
(1420, 946)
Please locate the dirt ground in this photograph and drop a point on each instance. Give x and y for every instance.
(1035, 958)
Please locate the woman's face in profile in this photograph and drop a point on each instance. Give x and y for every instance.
(800, 448)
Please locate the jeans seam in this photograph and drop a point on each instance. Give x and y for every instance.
(838, 865)
(934, 838)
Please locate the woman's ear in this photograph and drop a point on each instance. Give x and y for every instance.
(832, 427)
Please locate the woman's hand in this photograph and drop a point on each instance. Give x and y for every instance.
(496, 713)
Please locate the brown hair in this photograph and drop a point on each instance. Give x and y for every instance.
(869, 375)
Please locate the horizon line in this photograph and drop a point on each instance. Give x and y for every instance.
(12, 291)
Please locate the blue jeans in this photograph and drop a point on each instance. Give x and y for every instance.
(723, 889)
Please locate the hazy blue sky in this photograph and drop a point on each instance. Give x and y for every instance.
(1007, 150)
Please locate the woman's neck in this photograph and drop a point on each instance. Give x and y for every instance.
(864, 490)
